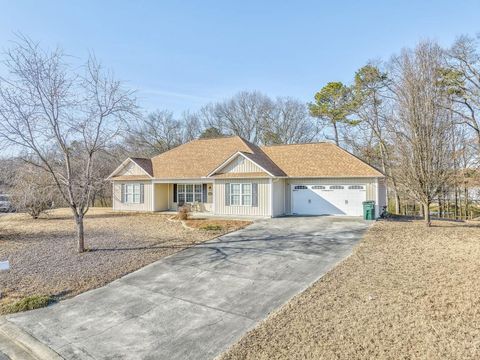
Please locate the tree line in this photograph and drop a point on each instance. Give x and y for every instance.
(413, 116)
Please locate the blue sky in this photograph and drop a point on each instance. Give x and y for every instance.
(180, 55)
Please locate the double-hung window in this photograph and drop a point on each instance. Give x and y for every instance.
(189, 193)
(132, 193)
(241, 194)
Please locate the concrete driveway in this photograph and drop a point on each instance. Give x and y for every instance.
(196, 303)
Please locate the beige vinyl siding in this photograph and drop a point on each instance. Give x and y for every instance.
(278, 204)
(131, 169)
(370, 183)
(263, 208)
(161, 197)
(147, 197)
(240, 165)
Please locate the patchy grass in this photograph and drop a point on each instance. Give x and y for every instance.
(43, 257)
(407, 292)
(30, 303)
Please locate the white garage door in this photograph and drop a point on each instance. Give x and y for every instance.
(328, 199)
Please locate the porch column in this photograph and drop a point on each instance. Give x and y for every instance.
(153, 196)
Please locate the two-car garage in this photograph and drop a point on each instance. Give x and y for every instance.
(332, 199)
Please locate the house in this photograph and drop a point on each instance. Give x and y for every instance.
(231, 176)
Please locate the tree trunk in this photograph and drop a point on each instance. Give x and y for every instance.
(335, 129)
(80, 234)
(397, 204)
(465, 192)
(426, 214)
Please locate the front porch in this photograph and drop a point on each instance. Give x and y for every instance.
(169, 196)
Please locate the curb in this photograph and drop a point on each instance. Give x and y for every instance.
(17, 343)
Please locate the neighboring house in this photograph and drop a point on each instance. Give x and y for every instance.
(230, 176)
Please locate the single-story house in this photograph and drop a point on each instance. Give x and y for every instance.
(231, 176)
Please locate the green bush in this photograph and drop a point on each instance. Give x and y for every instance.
(211, 227)
(30, 303)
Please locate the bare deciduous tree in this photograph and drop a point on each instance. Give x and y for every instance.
(244, 115)
(61, 119)
(289, 123)
(155, 133)
(261, 120)
(33, 191)
(461, 76)
(159, 131)
(423, 128)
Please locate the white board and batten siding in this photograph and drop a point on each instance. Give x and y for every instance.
(240, 165)
(147, 204)
(263, 195)
(131, 169)
(369, 183)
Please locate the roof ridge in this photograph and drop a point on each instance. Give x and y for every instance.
(247, 143)
(215, 138)
(198, 140)
(306, 143)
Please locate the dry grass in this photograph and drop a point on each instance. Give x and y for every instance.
(407, 292)
(44, 261)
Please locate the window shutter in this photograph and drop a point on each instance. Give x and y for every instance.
(141, 193)
(254, 194)
(227, 194)
(204, 190)
(122, 193)
(174, 193)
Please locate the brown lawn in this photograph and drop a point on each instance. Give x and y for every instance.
(407, 292)
(44, 261)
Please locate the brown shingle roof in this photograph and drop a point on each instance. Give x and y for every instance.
(130, 177)
(197, 158)
(145, 164)
(318, 160)
(259, 157)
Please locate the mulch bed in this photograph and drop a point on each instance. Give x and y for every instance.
(225, 225)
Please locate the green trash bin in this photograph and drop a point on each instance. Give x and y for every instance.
(369, 210)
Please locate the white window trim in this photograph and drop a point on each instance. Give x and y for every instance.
(184, 192)
(241, 194)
